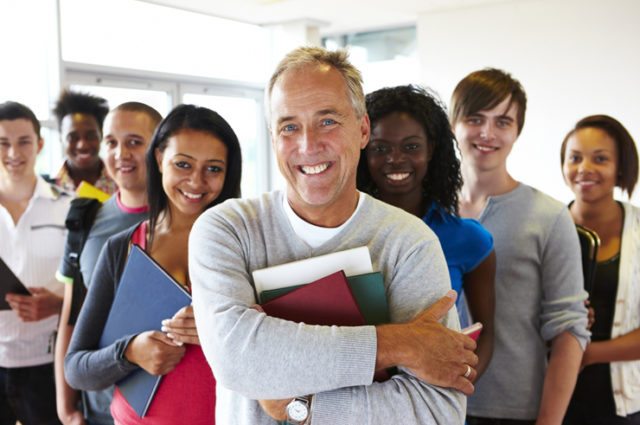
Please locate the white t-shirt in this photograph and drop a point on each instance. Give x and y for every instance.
(32, 249)
(313, 235)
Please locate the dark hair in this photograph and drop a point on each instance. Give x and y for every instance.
(142, 108)
(71, 102)
(627, 153)
(193, 118)
(14, 111)
(443, 180)
(485, 89)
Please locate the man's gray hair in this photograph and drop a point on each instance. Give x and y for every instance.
(339, 60)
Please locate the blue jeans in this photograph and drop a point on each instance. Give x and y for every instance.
(28, 394)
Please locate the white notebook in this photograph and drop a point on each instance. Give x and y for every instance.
(352, 261)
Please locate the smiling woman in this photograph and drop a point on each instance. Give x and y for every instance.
(193, 167)
(597, 155)
(193, 163)
(411, 163)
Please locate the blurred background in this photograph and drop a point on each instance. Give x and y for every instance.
(574, 58)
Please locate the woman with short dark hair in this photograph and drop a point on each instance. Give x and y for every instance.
(597, 155)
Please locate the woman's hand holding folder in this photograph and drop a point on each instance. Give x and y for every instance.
(181, 328)
(155, 352)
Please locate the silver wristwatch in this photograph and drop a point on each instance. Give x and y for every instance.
(299, 410)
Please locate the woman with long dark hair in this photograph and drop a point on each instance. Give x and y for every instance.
(193, 163)
(411, 163)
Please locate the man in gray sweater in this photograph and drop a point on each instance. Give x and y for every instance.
(539, 285)
(320, 374)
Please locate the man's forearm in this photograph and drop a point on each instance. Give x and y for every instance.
(66, 397)
(390, 346)
(433, 353)
(560, 379)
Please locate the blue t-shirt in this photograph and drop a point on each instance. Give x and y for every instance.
(464, 241)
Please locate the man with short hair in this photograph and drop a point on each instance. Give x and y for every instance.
(80, 118)
(32, 234)
(539, 294)
(127, 134)
(321, 374)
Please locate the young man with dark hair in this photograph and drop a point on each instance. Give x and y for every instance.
(538, 283)
(32, 234)
(80, 117)
(127, 133)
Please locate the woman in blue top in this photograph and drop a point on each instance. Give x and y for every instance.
(411, 163)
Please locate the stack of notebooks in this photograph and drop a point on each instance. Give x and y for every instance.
(353, 295)
(335, 289)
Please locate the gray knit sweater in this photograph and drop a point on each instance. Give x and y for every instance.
(258, 357)
(539, 294)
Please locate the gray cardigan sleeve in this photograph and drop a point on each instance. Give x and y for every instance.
(291, 359)
(563, 299)
(404, 398)
(233, 334)
(87, 367)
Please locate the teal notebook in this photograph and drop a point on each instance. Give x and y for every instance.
(368, 290)
(370, 295)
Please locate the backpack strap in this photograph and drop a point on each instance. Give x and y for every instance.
(80, 219)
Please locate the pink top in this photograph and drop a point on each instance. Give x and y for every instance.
(125, 209)
(186, 395)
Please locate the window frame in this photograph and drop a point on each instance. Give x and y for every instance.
(176, 86)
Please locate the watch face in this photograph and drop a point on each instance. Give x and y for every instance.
(297, 411)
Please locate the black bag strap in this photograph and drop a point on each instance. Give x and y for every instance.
(48, 178)
(80, 218)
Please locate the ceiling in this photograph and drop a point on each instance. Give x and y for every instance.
(333, 16)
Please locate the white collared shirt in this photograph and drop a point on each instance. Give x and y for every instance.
(32, 249)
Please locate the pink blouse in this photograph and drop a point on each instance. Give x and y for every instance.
(186, 395)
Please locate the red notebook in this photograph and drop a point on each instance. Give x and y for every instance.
(326, 301)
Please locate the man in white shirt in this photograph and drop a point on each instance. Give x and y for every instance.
(32, 235)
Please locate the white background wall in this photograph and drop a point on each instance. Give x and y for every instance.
(574, 58)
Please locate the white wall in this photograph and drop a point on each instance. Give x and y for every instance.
(573, 57)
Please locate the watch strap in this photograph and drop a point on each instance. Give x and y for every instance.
(307, 401)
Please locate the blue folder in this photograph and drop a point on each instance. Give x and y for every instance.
(145, 296)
